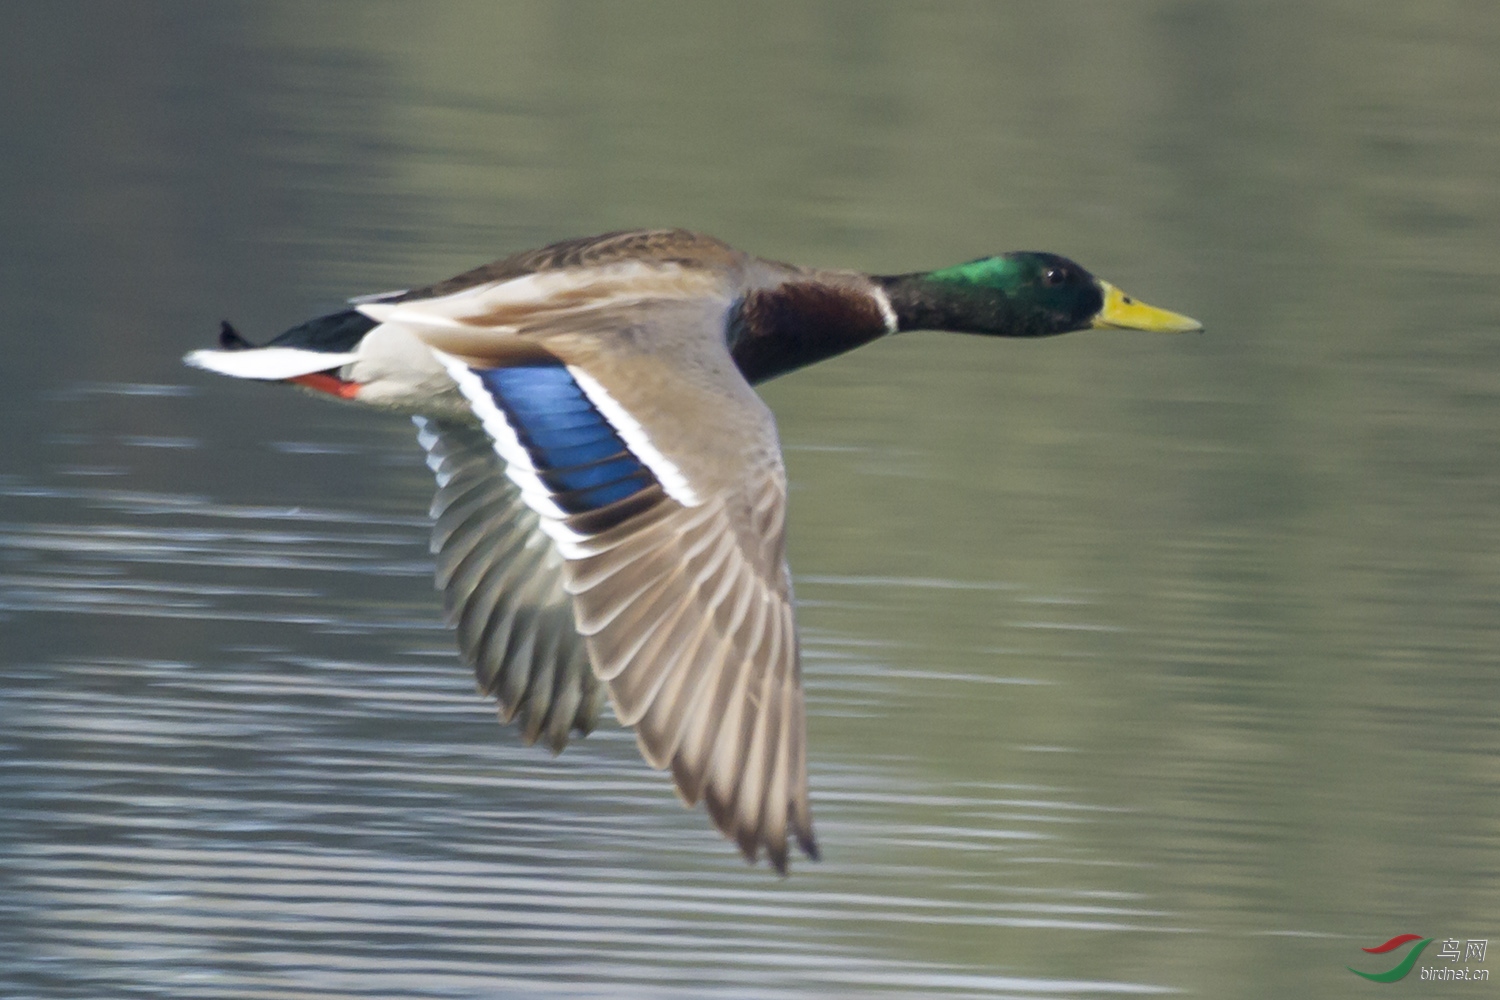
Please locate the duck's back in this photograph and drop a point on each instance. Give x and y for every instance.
(646, 246)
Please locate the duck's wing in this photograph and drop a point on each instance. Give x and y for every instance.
(656, 470)
(502, 585)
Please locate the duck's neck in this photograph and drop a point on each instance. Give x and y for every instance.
(924, 303)
(777, 330)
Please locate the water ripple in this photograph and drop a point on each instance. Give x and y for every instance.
(306, 789)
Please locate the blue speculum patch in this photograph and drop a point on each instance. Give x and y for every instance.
(577, 454)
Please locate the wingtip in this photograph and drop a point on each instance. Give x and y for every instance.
(686, 780)
(809, 845)
(779, 856)
(749, 841)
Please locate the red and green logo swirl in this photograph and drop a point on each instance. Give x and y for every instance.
(1403, 967)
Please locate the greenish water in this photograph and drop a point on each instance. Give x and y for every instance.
(1135, 664)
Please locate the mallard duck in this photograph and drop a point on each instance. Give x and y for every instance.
(611, 499)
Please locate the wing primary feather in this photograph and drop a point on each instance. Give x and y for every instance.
(774, 820)
(760, 752)
(729, 752)
(708, 722)
(636, 689)
(642, 664)
(673, 703)
(800, 812)
(661, 728)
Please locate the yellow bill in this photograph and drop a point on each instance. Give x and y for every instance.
(1122, 312)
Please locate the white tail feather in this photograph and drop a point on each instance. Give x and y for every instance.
(267, 363)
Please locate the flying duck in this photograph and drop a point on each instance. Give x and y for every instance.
(611, 498)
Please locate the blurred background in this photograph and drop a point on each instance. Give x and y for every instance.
(1135, 664)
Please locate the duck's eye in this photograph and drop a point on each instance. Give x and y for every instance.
(1054, 276)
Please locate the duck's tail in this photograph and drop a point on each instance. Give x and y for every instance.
(318, 345)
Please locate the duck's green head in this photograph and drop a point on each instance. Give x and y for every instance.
(1023, 294)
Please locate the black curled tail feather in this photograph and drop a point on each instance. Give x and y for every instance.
(230, 339)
